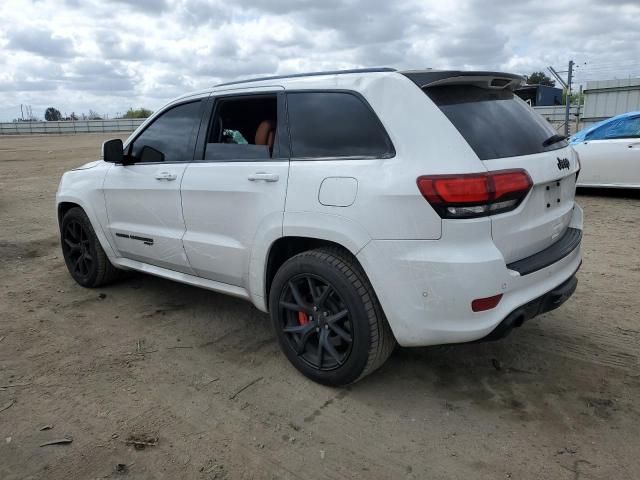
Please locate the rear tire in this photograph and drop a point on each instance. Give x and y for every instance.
(85, 259)
(327, 317)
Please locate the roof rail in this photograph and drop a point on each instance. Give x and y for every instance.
(310, 74)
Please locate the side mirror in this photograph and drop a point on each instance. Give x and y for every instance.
(113, 151)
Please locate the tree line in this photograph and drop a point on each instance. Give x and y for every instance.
(52, 114)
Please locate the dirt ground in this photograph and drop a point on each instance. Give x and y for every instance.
(202, 372)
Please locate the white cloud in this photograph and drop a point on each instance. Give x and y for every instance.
(41, 42)
(112, 54)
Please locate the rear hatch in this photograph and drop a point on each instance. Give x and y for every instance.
(506, 134)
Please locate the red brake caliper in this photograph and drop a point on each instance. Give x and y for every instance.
(303, 319)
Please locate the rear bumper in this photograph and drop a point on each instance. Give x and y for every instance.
(545, 303)
(563, 247)
(426, 287)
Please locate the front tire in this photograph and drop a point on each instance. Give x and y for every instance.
(85, 259)
(327, 317)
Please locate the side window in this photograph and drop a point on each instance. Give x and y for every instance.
(625, 128)
(243, 128)
(335, 124)
(170, 137)
(600, 132)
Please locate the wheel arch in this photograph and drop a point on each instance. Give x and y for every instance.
(64, 207)
(66, 203)
(283, 248)
(313, 229)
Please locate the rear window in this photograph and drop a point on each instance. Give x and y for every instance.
(335, 124)
(495, 123)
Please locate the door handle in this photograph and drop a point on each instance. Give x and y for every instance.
(265, 177)
(168, 176)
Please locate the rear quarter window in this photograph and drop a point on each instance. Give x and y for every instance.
(495, 123)
(335, 124)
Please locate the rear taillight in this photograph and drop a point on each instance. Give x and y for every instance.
(475, 194)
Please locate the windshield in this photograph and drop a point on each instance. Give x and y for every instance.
(495, 123)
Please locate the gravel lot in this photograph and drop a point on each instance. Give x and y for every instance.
(557, 399)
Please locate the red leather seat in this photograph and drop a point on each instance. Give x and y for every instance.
(265, 134)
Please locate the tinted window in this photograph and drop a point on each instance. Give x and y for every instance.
(495, 123)
(623, 128)
(334, 124)
(170, 137)
(243, 128)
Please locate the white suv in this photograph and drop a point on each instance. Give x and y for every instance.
(360, 208)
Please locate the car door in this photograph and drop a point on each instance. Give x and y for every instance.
(233, 193)
(610, 155)
(143, 194)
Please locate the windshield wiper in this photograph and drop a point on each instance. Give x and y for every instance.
(555, 138)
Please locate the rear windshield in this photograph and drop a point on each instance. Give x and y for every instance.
(495, 123)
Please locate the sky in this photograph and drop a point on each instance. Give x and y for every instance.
(110, 55)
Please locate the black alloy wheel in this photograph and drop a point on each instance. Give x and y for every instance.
(327, 317)
(77, 250)
(86, 260)
(316, 322)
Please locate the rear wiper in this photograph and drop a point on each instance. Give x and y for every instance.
(555, 138)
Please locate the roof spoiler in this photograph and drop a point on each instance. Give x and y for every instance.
(492, 80)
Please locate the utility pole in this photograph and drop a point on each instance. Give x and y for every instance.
(567, 86)
(579, 107)
(568, 100)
